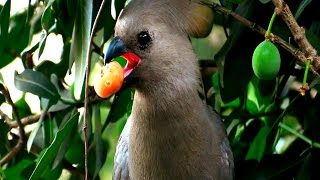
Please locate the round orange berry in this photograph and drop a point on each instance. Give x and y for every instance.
(109, 80)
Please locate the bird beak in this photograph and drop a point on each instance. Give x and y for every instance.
(117, 51)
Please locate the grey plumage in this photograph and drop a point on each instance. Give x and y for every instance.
(171, 133)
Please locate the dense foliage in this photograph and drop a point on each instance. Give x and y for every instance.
(273, 125)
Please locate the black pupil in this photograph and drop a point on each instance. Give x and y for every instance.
(143, 38)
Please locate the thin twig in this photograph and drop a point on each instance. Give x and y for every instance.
(22, 136)
(282, 9)
(86, 100)
(24, 121)
(274, 38)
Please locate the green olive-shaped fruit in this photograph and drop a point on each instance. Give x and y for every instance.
(266, 60)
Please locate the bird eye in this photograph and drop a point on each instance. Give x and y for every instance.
(143, 39)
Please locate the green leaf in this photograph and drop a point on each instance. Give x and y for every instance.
(80, 42)
(4, 129)
(258, 146)
(305, 171)
(2, 175)
(47, 18)
(47, 105)
(42, 43)
(301, 8)
(234, 1)
(1, 79)
(264, 1)
(17, 39)
(2, 98)
(26, 54)
(67, 141)
(35, 83)
(52, 173)
(22, 107)
(47, 132)
(75, 150)
(50, 153)
(65, 12)
(121, 105)
(234, 61)
(4, 24)
(17, 171)
(260, 95)
(100, 155)
(65, 94)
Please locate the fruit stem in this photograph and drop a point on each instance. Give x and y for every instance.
(270, 24)
(306, 72)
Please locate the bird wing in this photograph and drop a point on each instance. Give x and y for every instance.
(226, 153)
(227, 159)
(120, 167)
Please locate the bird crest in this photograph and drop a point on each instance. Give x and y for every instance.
(191, 16)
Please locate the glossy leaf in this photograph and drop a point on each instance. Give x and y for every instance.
(100, 155)
(2, 175)
(35, 83)
(4, 24)
(260, 95)
(49, 154)
(121, 105)
(75, 149)
(301, 8)
(47, 132)
(234, 61)
(4, 129)
(2, 98)
(67, 141)
(264, 1)
(52, 173)
(18, 38)
(305, 171)
(22, 107)
(258, 146)
(26, 56)
(65, 13)
(16, 172)
(42, 43)
(46, 105)
(47, 18)
(65, 94)
(1, 79)
(80, 42)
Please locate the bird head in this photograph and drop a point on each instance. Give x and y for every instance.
(153, 36)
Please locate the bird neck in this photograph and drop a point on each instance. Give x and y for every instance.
(167, 103)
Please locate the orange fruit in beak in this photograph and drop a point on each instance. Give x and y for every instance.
(109, 80)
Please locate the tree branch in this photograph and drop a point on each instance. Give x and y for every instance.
(301, 57)
(24, 121)
(282, 9)
(86, 99)
(22, 136)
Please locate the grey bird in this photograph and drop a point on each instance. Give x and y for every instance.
(171, 132)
